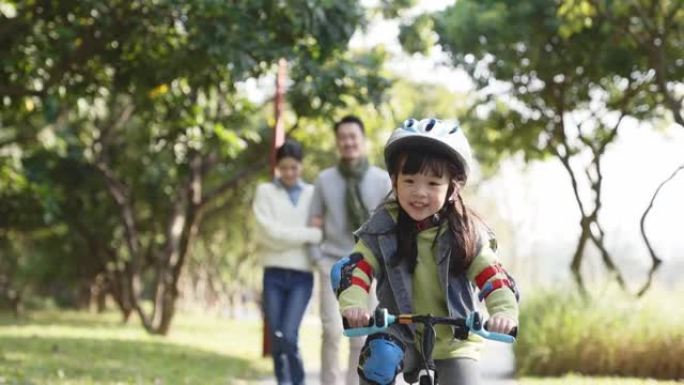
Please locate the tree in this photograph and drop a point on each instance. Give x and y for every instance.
(548, 90)
(145, 95)
(653, 33)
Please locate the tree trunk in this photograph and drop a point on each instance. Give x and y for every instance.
(83, 295)
(164, 309)
(576, 265)
(101, 302)
(190, 202)
(14, 300)
(599, 242)
(98, 293)
(564, 152)
(118, 288)
(655, 260)
(181, 231)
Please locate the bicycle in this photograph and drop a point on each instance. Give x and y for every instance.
(473, 323)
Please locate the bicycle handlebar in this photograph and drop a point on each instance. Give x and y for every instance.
(382, 320)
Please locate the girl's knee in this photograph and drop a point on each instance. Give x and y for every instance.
(382, 358)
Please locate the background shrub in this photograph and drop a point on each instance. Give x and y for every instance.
(612, 334)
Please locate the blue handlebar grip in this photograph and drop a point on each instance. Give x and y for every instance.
(495, 336)
(478, 328)
(359, 332)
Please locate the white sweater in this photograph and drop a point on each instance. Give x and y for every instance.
(282, 227)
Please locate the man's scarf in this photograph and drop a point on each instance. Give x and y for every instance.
(356, 210)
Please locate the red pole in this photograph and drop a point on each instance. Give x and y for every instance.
(278, 140)
(278, 130)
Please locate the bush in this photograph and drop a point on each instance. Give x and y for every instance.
(611, 335)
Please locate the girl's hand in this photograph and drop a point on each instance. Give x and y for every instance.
(500, 324)
(357, 317)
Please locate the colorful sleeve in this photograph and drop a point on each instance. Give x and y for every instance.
(353, 276)
(495, 285)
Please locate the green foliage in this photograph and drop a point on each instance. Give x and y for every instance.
(121, 118)
(419, 36)
(145, 87)
(38, 256)
(559, 78)
(402, 101)
(393, 8)
(615, 335)
(577, 15)
(532, 73)
(322, 89)
(413, 100)
(652, 33)
(222, 260)
(143, 44)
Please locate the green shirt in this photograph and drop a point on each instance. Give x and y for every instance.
(429, 297)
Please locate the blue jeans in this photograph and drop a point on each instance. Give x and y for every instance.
(286, 295)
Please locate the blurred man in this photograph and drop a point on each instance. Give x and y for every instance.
(344, 196)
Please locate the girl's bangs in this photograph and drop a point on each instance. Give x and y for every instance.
(421, 162)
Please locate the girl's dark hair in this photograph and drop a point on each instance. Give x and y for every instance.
(458, 218)
(290, 149)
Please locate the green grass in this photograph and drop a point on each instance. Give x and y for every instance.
(579, 380)
(81, 348)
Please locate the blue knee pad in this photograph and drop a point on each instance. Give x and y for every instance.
(382, 358)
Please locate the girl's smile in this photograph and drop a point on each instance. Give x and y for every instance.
(422, 194)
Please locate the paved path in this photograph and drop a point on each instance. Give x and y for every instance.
(498, 364)
(497, 367)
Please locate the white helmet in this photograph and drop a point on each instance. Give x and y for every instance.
(444, 136)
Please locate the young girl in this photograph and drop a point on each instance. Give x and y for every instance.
(428, 253)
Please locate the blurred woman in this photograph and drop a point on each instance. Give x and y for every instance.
(281, 208)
